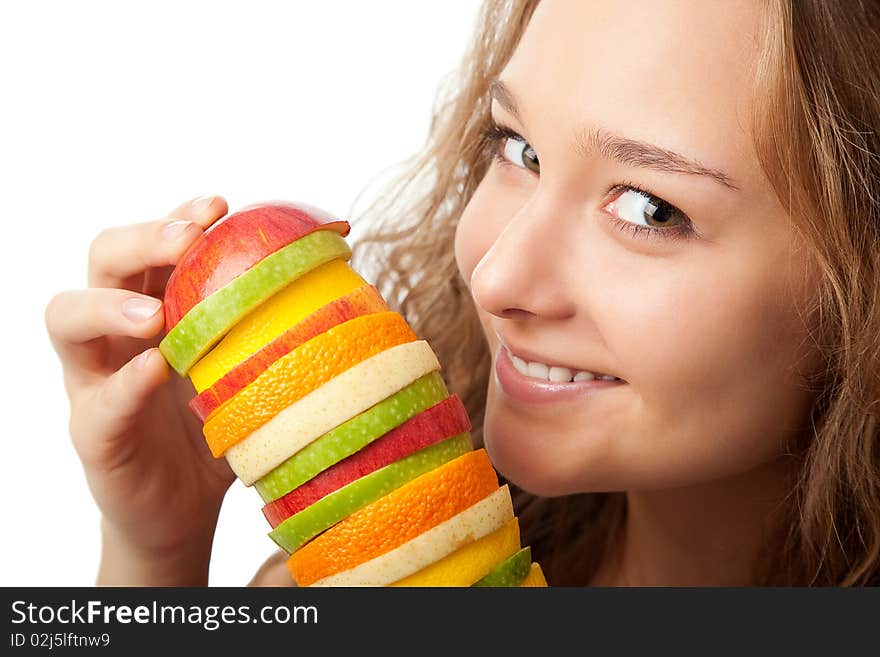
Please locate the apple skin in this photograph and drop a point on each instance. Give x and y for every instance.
(440, 421)
(509, 572)
(363, 300)
(236, 243)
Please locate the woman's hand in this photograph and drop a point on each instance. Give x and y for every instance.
(143, 452)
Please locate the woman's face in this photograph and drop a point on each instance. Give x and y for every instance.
(687, 291)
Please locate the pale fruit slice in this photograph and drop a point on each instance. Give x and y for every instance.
(273, 317)
(469, 563)
(326, 512)
(509, 572)
(210, 319)
(303, 370)
(400, 516)
(535, 578)
(474, 522)
(441, 421)
(350, 436)
(363, 300)
(340, 399)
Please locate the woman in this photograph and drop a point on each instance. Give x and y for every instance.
(681, 205)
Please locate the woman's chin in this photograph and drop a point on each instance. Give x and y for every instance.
(529, 469)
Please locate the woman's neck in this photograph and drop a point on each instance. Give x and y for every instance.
(710, 534)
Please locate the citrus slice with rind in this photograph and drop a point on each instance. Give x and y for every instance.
(396, 518)
(441, 421)
(326, 512)
(210, 319)
(361, 301)
(285, 308)
(352, 435)
(301, 371)
(509, 572)
(535, 578)
(473, 523)
(340, 399)
(469, 563)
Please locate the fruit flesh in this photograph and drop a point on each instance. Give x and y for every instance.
(509, 572)
(294, 375)
(290, 305)
(535, 578)
(361, 301)
(211, 318)
(469, 563)
(396, 518)
(326, 512)
(433, 425)
(350, 436)
(235, 243)
(338, 400)
(473, 523)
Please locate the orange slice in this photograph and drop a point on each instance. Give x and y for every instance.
(301, 371)
(400, 516)
(360, 301)
(271, 318)
(343, 397)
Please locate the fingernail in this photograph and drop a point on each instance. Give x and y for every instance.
(141, 360)
(201, 203)
(138, 309)
(174, 229)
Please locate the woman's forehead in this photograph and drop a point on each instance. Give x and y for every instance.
(678, 74)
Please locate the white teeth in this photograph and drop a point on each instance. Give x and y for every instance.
(556, 374)
(560, 374)
(538, 370)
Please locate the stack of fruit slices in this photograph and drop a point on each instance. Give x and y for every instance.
(330, 406)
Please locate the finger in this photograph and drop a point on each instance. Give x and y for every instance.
(115, 404)
(119, 256)
(75, 318)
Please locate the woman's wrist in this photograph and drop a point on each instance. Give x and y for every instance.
(125, 563)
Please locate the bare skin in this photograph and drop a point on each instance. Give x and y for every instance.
(704, 330)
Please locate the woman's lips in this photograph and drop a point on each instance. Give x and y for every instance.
(534, 391)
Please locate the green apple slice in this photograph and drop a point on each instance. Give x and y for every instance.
(472, 524)
(211, 318)
(351, 436)
(299, 528)
(325, 408)
(509, 572)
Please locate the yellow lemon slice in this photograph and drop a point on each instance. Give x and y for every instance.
(476, 521)
(301, 297)
(469, 563)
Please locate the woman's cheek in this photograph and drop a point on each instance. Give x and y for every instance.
(489, 210)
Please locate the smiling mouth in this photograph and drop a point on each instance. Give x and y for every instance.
(553, 373)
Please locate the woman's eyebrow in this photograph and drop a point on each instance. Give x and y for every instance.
(627, 151)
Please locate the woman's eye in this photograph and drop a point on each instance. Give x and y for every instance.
(518, 152)
(644, 209)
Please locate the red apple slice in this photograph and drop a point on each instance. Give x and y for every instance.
(362, 301)
(440, 421)
(236, 243)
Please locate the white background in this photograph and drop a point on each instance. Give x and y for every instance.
(112, 113)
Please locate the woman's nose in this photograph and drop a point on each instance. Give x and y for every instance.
(523, 273)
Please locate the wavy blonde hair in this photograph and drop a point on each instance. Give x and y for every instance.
(818, 138)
